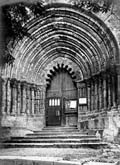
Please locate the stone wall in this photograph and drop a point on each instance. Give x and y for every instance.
(101, 108)
(18, 119)
(23, 107)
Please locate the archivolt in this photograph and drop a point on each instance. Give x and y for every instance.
(70, 32)
(59, 68)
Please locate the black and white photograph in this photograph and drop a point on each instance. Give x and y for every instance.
(59, 82)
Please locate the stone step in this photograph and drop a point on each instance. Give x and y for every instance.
(53, 145)
(59, 135)
(55, 137)
(52, 140)
(60, 129)
(54, 133)
(57, 131)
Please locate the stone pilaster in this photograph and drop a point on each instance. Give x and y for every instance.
(38, 100)
(114, 90)
(100, 93)
(35, 99)
(109, 91)
(117, 86)
(23, 98)
(97, 101)
(32, 100)
(92, 95)
(28, 99)
(105, 91)
(14, 96)
(8, 87)
(88, 96)
(4, 96)
(19, 102)
(118, 91)
(96, 94)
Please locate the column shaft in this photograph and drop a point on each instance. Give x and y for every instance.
(105, 91)
(14, 96)
(109, 91)
(92, 96)
(35, 100)
(100, 94)
(88, 96)
(28, 99)
(24, 98)
(19, 103)
(96, 95)
(32, 100)
(4, 97)
(114, 90)
(8, 97)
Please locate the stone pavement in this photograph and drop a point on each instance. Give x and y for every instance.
(57, 156)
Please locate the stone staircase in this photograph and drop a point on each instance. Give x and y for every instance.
(54, 137)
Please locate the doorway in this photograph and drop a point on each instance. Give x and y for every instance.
(61, 91)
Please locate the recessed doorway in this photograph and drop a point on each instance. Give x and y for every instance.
(61, 100)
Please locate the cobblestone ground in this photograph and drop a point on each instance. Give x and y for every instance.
(110, 154)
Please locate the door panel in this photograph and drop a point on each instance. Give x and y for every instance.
(62, 88)
(53, 111)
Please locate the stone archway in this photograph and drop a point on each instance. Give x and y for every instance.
(61, 97)
(63, 33)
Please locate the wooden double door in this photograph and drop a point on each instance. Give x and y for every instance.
(61, 90)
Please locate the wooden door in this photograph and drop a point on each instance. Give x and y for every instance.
(53, 111)
(61, 88)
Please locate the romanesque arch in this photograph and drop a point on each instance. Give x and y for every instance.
(69, 36)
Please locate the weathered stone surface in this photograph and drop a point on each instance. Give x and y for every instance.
(86, 54)
(111, 131)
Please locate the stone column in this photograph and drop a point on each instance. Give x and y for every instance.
(23, 97)
(32, 100)
(4, 96)
(38, 95)
(100, 93)
(19, 103)
(35, 99)
(96, 94)
(88, 96)
(118, 85)
(105, 91)
(114, 90)
(109, 91)
(92, 95)
(8, 96)
(27, 98)
(118, 91)
(14, 96)
(97, 81)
